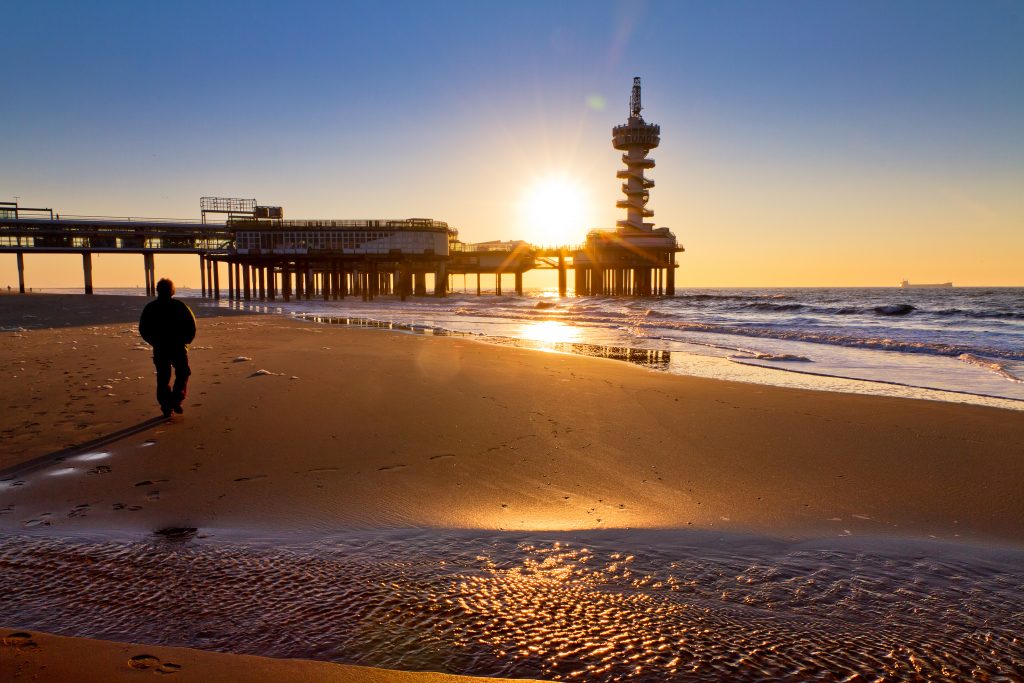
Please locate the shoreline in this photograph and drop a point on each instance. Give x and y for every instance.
(406, 411)
(698, 358)
(634, 355)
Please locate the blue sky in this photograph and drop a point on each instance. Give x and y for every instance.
(828, 132)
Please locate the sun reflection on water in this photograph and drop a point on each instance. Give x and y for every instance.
(549, 332)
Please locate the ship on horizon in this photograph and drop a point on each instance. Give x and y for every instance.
(906, 285)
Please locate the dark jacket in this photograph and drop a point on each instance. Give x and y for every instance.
(167, 323)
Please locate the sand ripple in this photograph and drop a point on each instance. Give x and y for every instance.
(600, 606)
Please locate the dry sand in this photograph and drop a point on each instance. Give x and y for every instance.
(354, 428)
(34, 656)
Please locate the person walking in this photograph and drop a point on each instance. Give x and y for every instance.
(169, 326)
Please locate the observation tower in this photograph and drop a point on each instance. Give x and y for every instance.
(636, 138)
(636, 258)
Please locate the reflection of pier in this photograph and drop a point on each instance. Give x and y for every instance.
(648, 358)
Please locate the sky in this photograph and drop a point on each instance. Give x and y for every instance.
(802, 143)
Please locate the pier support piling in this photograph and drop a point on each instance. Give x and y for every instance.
(21, 272)
(441, 281)
(561, 275)
(87, 270)
(149, 271)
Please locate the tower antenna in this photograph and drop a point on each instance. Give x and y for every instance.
(634, 99)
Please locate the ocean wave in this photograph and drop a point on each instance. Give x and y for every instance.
(874, 343)
(1000, 368)
(781, 308)
(895, 309)
(731, 297)
(783, 357)
(993, 315)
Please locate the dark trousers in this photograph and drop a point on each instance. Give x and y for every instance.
(164, 360)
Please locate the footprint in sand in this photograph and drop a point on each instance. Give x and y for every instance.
(442, 455)
(5, 509)
(20, 640)
(152, 482)
(79, 510)
(153, 495)
(391, 467)
(99, 469)
(323, 469)
(155, 664)
(37, 522)
(252, 478)
(147, 443)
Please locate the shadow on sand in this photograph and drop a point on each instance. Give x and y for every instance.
(42, 461)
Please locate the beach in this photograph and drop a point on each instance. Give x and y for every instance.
(298, 429)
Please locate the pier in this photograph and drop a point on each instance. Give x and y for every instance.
(246, 258)
(264, 256)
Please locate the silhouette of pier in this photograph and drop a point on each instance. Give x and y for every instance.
(250, 258)
(266, 256)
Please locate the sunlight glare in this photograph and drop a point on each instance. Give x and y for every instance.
(550, 332)
(555, 211)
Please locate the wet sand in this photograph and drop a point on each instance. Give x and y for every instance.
(292, 426)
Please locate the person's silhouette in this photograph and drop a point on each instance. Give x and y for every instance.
(169, 326)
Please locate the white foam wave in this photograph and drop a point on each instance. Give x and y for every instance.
(782, 357)
(999, 367)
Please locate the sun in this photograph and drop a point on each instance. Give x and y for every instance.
(555, 210)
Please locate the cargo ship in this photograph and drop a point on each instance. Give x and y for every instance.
(907, 285)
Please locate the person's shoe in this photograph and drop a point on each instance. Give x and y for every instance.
(178, 409)
(166, 411)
